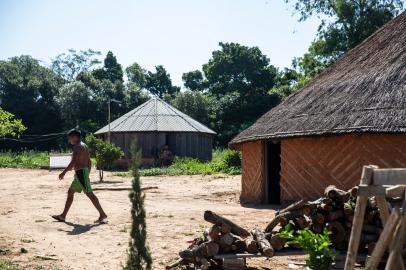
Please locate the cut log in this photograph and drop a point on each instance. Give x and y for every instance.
(281, 218)
(225, 228)
(252, 246)
(264, 245)
(204, 264)
(175, 264)
(319, 219)
(204, 250)
(226, 241)
(348, 209)
(214, 232)
(293, 207)
(337, 195)
(218, 220)
(239, 246)
(325, 207)
(317, 228)
(353, 192)
(277, 242)
(334, 215)
(301, 222)
(338, 235)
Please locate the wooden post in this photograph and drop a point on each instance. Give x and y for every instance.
(395, 260)
(384, 239)
(366, 179)
(383, 209)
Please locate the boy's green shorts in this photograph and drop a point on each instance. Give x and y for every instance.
(81, 181)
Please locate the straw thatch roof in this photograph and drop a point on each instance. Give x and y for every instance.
(158, 116)
(364, 91)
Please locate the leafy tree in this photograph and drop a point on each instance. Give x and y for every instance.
(105, 153)
(100, 92)
(159, 82)
(231, 113)
(139, 256)
(70, 65)
(287, 81)
(9, 126)
(133, 97)
(27, 90)
(238, 68)
(344, 25)
(193, 80)
(75, 102)
(237, 82)
(194, 104)
(111, 70)
(137, 75)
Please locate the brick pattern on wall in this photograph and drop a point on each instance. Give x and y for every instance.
(252, 180)
(308, 165)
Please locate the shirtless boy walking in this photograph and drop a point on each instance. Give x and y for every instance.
(81, 164)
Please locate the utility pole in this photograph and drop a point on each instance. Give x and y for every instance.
(108, 134)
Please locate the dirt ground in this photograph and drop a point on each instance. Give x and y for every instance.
(174, 216)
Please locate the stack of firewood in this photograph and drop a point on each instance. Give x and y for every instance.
(334, 211)
(224, 237)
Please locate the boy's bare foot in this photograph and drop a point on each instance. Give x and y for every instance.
(59, 218)
(102, 219)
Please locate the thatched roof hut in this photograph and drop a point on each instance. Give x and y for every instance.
(353, 113)
(155, 124)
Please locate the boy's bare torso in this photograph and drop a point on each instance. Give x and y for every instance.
(81, 157)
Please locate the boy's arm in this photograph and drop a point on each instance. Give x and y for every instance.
(71, 163)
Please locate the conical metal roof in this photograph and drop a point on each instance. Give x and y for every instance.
(155, 115)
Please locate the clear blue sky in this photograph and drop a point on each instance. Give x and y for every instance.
(179, 34)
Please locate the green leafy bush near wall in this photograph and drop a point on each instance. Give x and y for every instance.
(223, 161)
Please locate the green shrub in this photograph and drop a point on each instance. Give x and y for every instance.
(25, 159)
(92, 144)
(105, 153)
(224, 161)
(232, 158)
(317, 246)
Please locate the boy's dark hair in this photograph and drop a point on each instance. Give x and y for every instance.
(74, 132)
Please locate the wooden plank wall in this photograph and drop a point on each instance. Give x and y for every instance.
(186, 144)
(252, 179)
(310, 164)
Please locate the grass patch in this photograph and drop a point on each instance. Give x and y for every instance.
(25, 159)
(6, 265)
(223, 161)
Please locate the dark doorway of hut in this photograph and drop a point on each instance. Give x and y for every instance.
(273, 162)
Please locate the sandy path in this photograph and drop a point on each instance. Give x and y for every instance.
(174, 215)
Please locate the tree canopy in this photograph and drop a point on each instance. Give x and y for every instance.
(231, 91)
(344, 25)
(69, 65)
(9, 126)
(159, 83)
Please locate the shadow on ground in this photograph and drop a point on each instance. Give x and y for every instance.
(80, 228)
